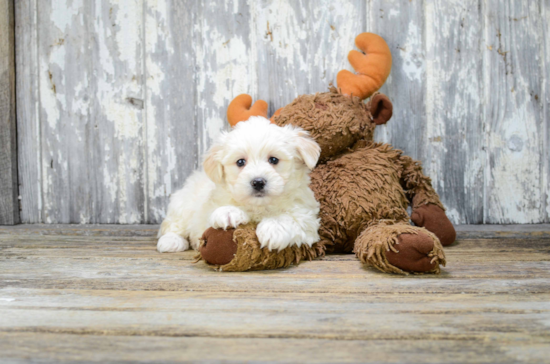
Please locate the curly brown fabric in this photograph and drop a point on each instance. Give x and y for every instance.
(356, 191)
(334, 120)
(416, 184)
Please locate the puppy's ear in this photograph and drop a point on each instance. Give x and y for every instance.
(212, 164)
(308, 148)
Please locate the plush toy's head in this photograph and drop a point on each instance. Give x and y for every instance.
(334, 120)
(339, 118)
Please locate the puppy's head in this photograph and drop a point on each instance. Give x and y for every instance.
(259, 161)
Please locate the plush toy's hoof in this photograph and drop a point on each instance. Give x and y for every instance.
(413, 255)
(400, 248)
(238, 250)
(218, 247)
(433, 218)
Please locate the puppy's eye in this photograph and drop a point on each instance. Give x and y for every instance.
(241, 163)
(273, 160)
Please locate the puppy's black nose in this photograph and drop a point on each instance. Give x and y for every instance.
(258, 184)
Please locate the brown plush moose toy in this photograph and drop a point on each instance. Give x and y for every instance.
(363, 187)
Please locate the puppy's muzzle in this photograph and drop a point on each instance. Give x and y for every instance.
(258, 184)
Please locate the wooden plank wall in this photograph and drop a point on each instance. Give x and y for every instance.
(118, 100)
(9, 204)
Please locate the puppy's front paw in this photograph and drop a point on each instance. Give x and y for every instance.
(171, 243)
(274, 234)
(228, 216)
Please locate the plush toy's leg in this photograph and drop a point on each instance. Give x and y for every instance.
(433, 218)
(400, 248)
(428, 211)
(238, 250)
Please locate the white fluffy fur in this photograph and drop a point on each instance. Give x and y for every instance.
(221, 196)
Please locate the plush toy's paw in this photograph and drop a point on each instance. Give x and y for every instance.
(413, 253)
(238, 250)
(171, 243)
(274, 234)
(433, 218)
(228, 216)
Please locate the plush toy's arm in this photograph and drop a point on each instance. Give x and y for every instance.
(428, 211)
(417, 186)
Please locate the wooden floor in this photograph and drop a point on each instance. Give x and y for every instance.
(103, 294)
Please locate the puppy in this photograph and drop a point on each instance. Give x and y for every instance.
(257, 172)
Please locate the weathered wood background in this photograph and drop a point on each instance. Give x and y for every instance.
(118, 99)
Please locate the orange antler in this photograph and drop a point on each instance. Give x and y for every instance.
(373, 67)
(239, 109)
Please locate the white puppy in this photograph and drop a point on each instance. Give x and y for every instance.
(257, 172)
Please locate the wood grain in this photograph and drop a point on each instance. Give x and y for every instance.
(9, 192)
(545, 61)
(60, 348)
(170, 153)
(91, 111)
(513, 112)
(225, 64)
(91, 297)
(401, 23)
(453, 148)
(29, 137)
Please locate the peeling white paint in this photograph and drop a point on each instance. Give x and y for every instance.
(129, 42)
(48, 99)
(124, 119)
(413, 61)
(63, 12)
(289, 33)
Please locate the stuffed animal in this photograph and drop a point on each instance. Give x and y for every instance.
(363, 187)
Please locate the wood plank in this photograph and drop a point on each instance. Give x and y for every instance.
(171, 150)
(225, 64)
(9, 192)
(545, 61)
(91, 97)
(454, 143)
(513, 85)
(301, 316)
(503, 231)
(59, 348)
(116, 125)
(314, 277)
(281, 35)
(333, 26)
(530, 231)
(401, 24)
(129, 244)
(82, 230)
(28, 121)
(478, 266)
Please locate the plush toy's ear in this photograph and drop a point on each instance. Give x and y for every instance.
(308, 148)
(212, 164)
(381, 109)
(240, 109)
